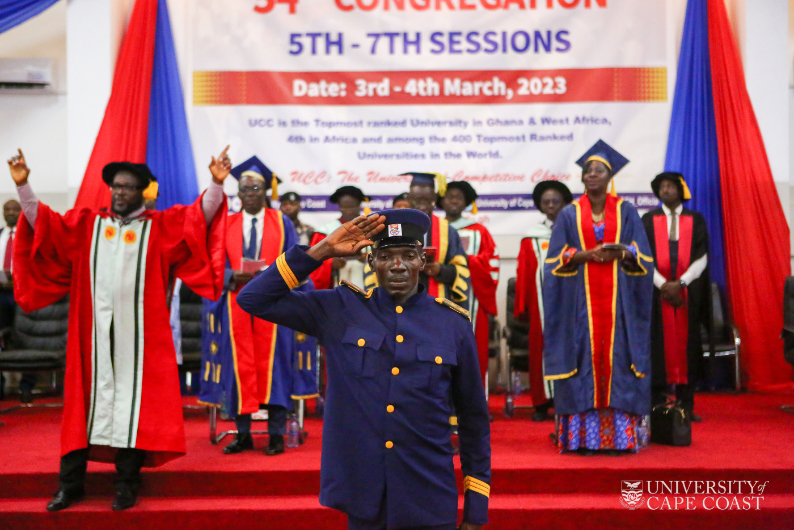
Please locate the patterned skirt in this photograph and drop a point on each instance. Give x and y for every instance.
(598, 430)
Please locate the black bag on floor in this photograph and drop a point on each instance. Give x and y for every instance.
(671, 425)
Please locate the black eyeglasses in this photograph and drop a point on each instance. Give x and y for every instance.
(125, 187)
(252, 189)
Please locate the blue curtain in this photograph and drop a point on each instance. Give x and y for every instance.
(15, 12)
(169, 153)
(692, 144)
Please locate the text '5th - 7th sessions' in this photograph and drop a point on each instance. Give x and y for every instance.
(437, 42)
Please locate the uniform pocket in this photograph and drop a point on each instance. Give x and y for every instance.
(435, 367)
(362, 351)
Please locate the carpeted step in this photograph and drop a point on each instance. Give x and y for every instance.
(260, 482)
(509, 512)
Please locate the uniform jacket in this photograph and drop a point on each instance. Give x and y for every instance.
(394, 374)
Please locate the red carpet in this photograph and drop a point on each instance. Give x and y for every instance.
(741, 438)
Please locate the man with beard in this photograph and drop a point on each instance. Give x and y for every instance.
(398, 361)
(121, 389)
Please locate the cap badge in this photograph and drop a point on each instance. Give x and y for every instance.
(395, 230)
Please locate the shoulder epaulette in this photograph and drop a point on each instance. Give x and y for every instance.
(453, 306)
(356, 289)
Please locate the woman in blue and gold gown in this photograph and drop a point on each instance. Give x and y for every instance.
(597, 299)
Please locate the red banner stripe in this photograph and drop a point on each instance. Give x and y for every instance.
(430, 87)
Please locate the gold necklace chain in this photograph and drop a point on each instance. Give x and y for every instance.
(597, 218)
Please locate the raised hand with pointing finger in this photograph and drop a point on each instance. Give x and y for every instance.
(221, 167)
(19, 169)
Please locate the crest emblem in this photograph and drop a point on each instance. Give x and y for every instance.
(110, 233)
(631, 494)
(130, 237)
(395, 230)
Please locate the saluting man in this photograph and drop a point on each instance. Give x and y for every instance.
(398, 360)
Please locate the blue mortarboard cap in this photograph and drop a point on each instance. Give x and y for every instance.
(436, 181)
(404, 226)
(254, 167)
(604, 153)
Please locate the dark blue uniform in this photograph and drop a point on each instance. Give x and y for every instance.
(394, 374)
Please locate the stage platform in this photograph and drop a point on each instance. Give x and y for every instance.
(742, 438)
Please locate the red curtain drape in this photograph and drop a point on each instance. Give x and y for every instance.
(757, 246)
(123, 133)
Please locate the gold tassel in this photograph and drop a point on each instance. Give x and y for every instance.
(474, 208)
(687, 195)
(274, 188)
(441, 182)
(612, 191)
(151, 192)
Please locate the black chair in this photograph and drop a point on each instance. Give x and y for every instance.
(37, 343)
(726, 340)
(788, 329)
(516, 334)
(190, 305)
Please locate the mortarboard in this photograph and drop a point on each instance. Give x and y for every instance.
(675, 178)
(435, 180)
(543, 185)
(404, 226)
(253, 167)
(141, 171)
(604, 153)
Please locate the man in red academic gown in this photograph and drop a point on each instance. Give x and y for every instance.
(121, 391)
(550, 197)
(261, 351)
(483, 256)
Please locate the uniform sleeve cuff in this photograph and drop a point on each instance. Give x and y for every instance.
(295, 265)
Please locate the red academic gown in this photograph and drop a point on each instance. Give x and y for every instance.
(322, 277)
(254, 341)
(55, 259)
(484, 268)
(528, 305)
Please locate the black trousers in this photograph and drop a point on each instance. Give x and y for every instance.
(128, 466)
(276, 420)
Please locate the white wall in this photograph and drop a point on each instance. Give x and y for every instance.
(35, 120)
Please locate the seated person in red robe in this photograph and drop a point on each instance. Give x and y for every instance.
(121, 389)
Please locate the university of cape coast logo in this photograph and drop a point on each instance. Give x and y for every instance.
(631, 494)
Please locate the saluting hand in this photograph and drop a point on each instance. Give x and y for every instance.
(220, 167)
(349, 238)
(19, 169)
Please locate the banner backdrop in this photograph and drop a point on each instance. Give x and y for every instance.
(502, 93)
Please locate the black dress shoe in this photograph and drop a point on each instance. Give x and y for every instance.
(242, 442)
(63, 499)
(540, 415)
(126, 497)
(275, 446)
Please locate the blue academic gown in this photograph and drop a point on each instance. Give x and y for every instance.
(394, 374)
(568, 355)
